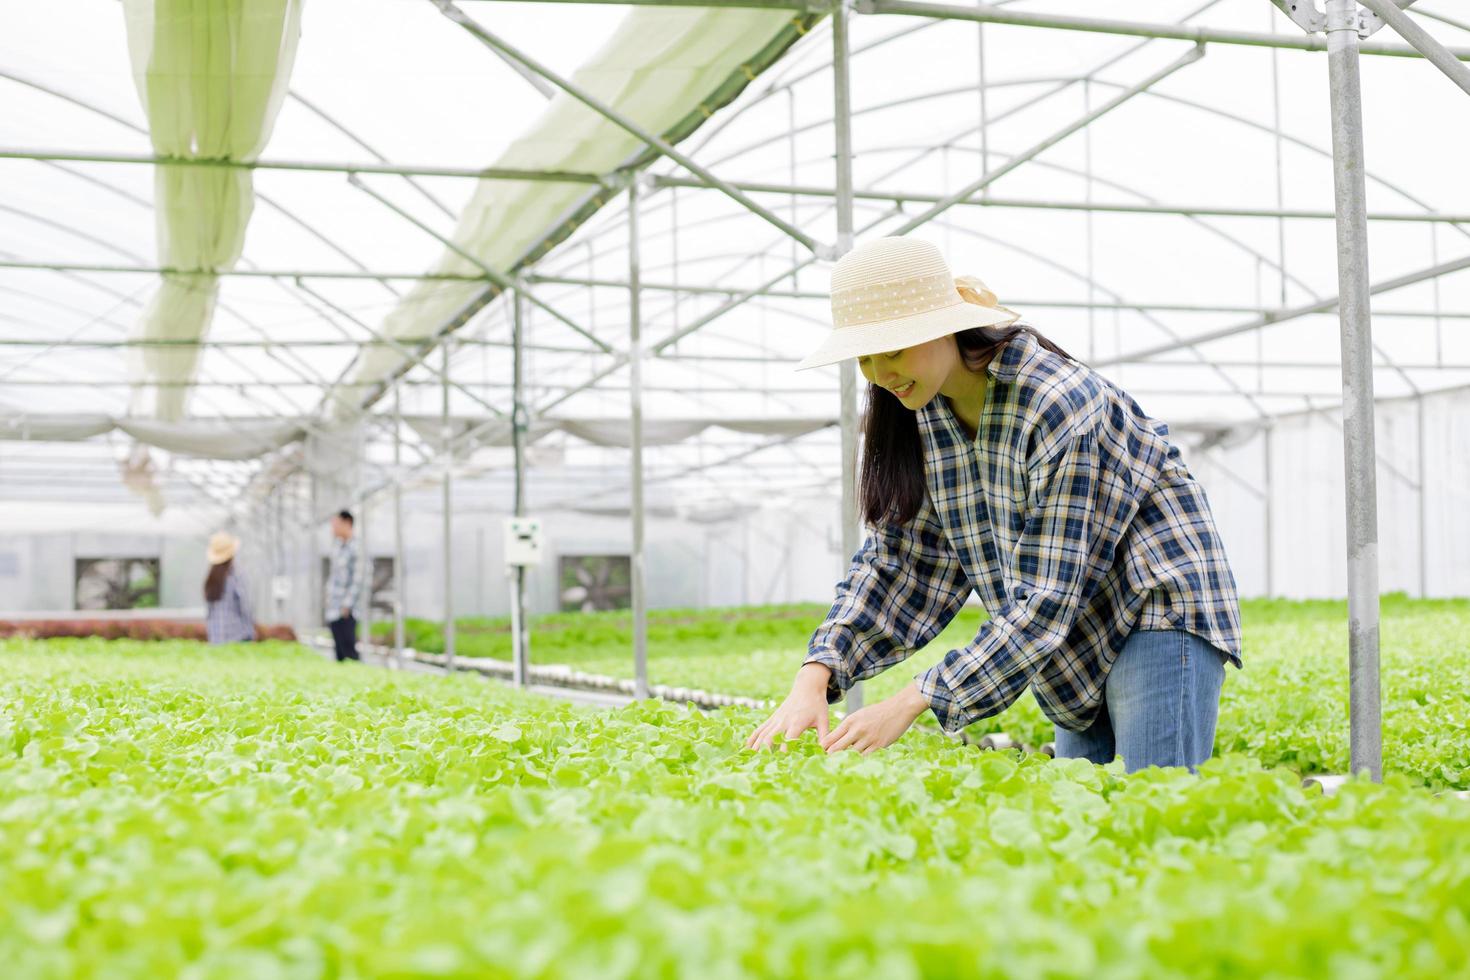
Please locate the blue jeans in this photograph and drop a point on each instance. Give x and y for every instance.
(1160, 702)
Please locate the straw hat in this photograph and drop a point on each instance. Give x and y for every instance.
(896, 292)
(222, 547)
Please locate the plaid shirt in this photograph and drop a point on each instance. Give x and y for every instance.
(228, 619)
(344, 585)
(1073, 518)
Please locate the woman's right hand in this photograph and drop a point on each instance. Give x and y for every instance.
(805, 707)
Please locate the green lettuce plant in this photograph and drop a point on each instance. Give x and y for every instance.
(169, 809)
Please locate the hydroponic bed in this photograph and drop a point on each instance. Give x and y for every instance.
(168, 809)
(1288, 707)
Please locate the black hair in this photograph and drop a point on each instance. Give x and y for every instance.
(891, 473)
(214, 582)
(346, 515)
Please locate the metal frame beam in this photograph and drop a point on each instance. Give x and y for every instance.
(1422, 41)
(1324, 305)
(381, 338)
(991, 201)
(795, 5)
(985, 13)
(1086, 119)
(491, 40)
(500, 279)
(312, 166)
(248, 273)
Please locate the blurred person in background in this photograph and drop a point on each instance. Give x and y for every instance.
(227, 617)
(344, 588)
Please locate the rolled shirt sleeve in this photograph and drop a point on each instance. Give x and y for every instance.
(903, 587)
(1062, 539)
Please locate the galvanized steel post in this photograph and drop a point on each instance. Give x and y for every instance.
(635, 393)
(1423, 481)
(1266, 483)
(365, 588)
(448, 450)
(847, 370)
(1366, 736)
(520, 632)
(277, 549)
(398, 578)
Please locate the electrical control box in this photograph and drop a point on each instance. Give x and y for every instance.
(522, 541)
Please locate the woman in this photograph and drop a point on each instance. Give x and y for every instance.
(993, 461)
(227, 616)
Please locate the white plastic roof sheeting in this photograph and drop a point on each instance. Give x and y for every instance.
(396, 81)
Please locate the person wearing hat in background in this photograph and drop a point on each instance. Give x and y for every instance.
(344, 588)
(994, 461)
(227, 617)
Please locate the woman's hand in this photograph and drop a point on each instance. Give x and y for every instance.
(805, 707)
(878, 725)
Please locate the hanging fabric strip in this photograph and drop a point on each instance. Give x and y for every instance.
(211, 77)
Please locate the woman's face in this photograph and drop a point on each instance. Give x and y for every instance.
(916, 374)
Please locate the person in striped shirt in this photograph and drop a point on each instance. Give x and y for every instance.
(995, 462)
(344, 588)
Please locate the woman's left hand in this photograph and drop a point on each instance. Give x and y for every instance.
(878, 725)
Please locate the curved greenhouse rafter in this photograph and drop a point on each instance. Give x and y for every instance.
(1158, 194)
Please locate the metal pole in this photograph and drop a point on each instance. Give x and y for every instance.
(414, 358)
(520, 629)
(1275, 317)
(984, 106)
(1423, 502)
(914, 195)
(675, 180)
(647, 137)
(448, 451)
(398, 570)
(468, 437)
(163, 270)
(1423, 42)
(367, 577)
(1357, 386)
(298, 342)
(635, 381)
(790, 176)
(847, 369)
(326, 117)
(1089, 270)
(314, 571)
(1270, 531)
(499, 278)
(989, 13)
(365, 587)
(1086, 119)
(154, 160)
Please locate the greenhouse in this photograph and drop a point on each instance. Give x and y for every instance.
(444, 444)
